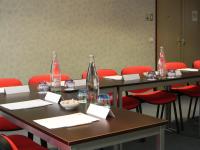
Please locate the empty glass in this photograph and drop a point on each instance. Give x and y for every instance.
(69, 84)
(104, 100)
(82, 95)
(151, 75)
(43, 87)
(171, 74)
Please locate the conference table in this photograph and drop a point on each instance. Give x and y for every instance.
(125, 126)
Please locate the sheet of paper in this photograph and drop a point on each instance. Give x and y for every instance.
(17, 89)
(189, 69)
(66, 121)
(117, 77)
(26, 104)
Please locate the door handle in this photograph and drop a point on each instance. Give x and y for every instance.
(181, 42)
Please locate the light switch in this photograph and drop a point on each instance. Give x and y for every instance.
(194, 15)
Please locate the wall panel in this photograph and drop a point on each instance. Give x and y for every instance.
(115, 31)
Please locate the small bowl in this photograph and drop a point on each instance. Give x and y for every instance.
(69, 104)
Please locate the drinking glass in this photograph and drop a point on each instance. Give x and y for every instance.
(171, 74)
(104, 100)
(82, 95)
(151, 75)
(69, 84)
(43, 87)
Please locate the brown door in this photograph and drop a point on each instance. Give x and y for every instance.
(191, 31)
(177, 31)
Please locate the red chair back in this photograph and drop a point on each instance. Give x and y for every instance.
(196, 64)
(45, 77)
(6, 82)
(175, 65)
(101, 73)
(106, 72)
(137, 70)
(84, 75)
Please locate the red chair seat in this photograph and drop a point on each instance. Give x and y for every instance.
(157, 97)
(191, 90)
(129, 102)
(6, 125)
(20, 142)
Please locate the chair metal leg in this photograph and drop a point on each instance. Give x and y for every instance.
(180, 112)
(157, 112)
(195, 106)
(140, 107)
(176, 118)
(162, 110)
(189, 109)
(30, 135)
(43, 143)
(137, 110)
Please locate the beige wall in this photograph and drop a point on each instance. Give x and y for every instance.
(115, 31)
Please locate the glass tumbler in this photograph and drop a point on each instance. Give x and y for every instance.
(82, 95)
(171, 74)
(43, 87)
(104, 100)
(69, 84)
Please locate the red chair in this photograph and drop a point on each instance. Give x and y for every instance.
(6, 125)
(196, 64)
(45, 77)
(18, 142)
(195, 90)
(175, 65)
(159, 97)
(129, 102)
(191, 91)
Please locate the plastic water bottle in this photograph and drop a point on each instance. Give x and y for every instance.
(161, 64)
(92, 82)
(55, 74)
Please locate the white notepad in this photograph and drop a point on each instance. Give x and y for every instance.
(80, 83)
(71, 120)
(189, 69)
(116, 77)
(17, 89)
(26, 104)
(130, 77)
